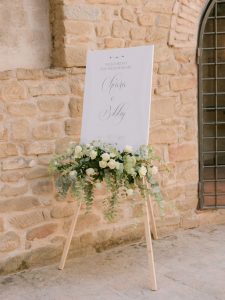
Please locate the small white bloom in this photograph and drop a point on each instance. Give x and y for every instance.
(90, 172)
(33, 163)
(112, 155)
(105, 157)
(103, 164)
(78, 149)
(98, 185)
(73, 173)
(128, 149)
(93, 154)
(142, 171)
(118, 165)
(130, 192)
(154, 170)
(112, 164)
(88, 145)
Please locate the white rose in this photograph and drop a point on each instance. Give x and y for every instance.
(73, 173)
(93, 154)
(112, 155)
(90, 171)
(130, 192)
(112, 164)
(142, 171)
(128, 149)
(78, 149)
(154, 170)
(105, 156)
(103, 164)
(88, 145)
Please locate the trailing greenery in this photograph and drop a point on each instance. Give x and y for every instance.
(82, 169)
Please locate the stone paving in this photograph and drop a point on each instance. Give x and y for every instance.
(190, 266)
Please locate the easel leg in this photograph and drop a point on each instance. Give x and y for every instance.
(151, 215)
(69, 238)
(153, 284)
(152, 218)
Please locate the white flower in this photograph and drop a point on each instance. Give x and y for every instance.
(112, 164)
(93, 154)
(98, 185)
(88, 145)
(142, 171)
(128, 149)
(105, 157)
(118, 165)
(73, 173)
(103, 164)
(130, 192)
(112, 155)
(78, 149)
(154, 170)
(90, 172)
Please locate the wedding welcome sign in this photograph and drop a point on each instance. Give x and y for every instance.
(117, 96)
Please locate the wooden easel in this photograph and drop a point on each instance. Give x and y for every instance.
(150, 227)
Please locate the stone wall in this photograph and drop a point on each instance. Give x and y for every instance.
(25, 39)
(40, 112)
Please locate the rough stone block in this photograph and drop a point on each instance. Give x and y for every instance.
(13, 90)
(73, 126)
(41, 232)
(20, 129)
(22, 109)
(8, 149)
(121, 29)
(77, 87)
(114, 42)
(29, 74)
(42, 187)
(82, 12)
(62, 211)
(37, 147)
(9, 241)
(12, 190)
(103, 29)
(27, 219)
(47, 131)
(18, 204)
(76, 56)
(75, 107)
(138, 33)
(182, 152)
(50, 103)
(50, 88)
(79, 28)
(146, 20)
(128, 14)
(15, 163)
(183, 83)
(37, 172)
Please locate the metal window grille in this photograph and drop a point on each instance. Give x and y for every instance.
(211, 64)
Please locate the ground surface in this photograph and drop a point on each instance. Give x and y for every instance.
(190, 265)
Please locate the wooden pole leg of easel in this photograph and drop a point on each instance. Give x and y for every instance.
(153, 284)
(69, 238)
(152, 218)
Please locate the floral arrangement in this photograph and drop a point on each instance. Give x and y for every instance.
(82, 168)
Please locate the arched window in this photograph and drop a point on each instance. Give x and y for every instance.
(212, 106)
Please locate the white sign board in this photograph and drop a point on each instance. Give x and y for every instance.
(117, 96)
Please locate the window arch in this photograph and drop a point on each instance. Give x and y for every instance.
(211, 72)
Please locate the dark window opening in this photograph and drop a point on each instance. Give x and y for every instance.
(212, 106)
